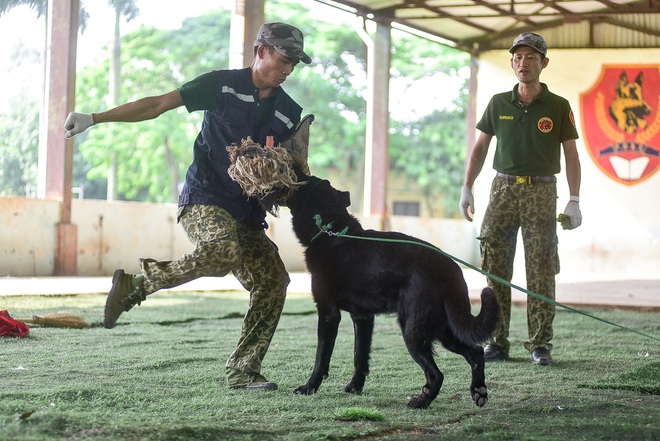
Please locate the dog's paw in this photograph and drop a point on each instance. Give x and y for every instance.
(354, 387)
(420, 402)
(480, 396)
(305, 390)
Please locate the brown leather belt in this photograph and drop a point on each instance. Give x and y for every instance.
(527, 179)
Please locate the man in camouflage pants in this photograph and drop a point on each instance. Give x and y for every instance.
(531, 125)
(226, 227)
(224, 244)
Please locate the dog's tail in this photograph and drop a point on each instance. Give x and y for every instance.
(475, 330)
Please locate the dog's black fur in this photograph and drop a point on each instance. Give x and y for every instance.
(372, 276)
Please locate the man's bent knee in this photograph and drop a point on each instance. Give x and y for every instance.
(218, 256)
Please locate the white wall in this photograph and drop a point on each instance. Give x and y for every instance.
(27, 236)
(620, 232)
(117, 234)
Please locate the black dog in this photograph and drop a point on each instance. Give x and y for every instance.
(371, 276)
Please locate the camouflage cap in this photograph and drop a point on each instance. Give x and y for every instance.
(532, 40)
(285, 38)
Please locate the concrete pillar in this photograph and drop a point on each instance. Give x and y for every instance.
(56, 153)
(378, 117)
(472, 105)
(246, 18)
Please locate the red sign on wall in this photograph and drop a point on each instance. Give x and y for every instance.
(621, 121)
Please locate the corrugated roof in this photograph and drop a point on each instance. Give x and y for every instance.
(481, 25)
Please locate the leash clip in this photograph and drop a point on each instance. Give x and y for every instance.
(322, 228)
(326, 228)
(341, 233)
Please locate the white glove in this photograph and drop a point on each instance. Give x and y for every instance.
(77, 123)
(467, 202)
(572, 211)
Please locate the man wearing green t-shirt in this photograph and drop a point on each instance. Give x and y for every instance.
(226, 227)
(531, 125)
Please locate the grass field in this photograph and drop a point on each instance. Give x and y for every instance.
(159, 375)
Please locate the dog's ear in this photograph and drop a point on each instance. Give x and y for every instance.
(345, 198)
(640, 78)
(301, 176)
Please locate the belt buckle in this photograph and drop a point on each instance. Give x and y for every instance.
(523, 179)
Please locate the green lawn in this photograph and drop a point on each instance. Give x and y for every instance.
(159, 375)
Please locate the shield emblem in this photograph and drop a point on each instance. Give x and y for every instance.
(621, 121)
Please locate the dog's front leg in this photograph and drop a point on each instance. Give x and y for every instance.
(327, 334)
(363, 327)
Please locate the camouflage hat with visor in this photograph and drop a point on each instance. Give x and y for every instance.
(532, 40)
(285, 38)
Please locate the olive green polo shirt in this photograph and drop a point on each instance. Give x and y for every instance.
(528, 138)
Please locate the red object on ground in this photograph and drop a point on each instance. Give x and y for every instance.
(12, 328)
(270, 142)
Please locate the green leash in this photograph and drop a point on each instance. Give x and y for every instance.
(326, 229)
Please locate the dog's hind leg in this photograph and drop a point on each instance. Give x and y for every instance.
(363, 327)
(474, 355)
(420, 348)
(327, 335)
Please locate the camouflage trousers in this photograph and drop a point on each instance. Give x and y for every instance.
(223, 244)
(531, 208)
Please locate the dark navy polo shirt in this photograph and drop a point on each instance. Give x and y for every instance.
(231, 113)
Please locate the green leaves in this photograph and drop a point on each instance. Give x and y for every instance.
(152, 155)
(427, 148)
(19, 144)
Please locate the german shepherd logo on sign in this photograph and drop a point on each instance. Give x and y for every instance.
(621, 122)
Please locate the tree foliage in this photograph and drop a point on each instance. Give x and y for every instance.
(153, 155)
(427, 149)
(431, 150)
(19, 143)
(328, 88)
(19, 126)
(39, 6)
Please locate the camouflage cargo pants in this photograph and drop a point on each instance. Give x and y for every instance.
(531, 208)
(223, 244)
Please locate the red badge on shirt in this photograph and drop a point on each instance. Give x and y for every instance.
(621, 122)
(545, 125)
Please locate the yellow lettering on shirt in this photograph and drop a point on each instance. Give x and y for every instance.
(507, 117)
